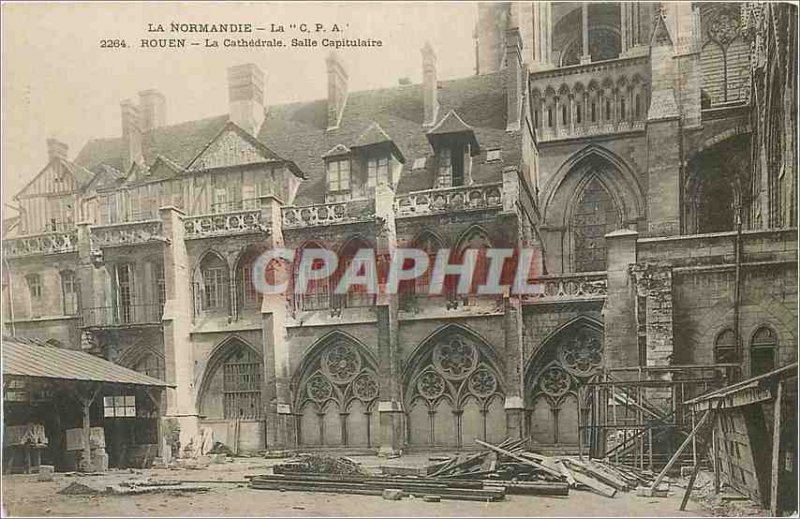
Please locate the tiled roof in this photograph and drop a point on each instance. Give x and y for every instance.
(178, 142)
(31, 358)
(298, 132)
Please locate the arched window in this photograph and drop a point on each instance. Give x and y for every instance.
(638, 106)
(564, 114)
(70, 290)
(550, 117)
(725, 347)
(595, 215)
(622, 108)
(246, 295)
(241, 384)
(578, 114)
(431, 246)
(211, 285)
(478, 241)
(357, 295)
(316, 295)
(594, 112)
(763, 347)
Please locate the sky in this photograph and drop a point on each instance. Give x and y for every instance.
(58, 82)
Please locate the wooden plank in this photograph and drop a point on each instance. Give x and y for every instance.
(596, 473)
(519, 458)
(677, 454)
(689, 487)
(776, 449)
(594, 485)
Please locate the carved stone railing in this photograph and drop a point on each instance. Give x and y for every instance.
(463, 198)
(598, 98)
(331, 213)
(127, 233)
(585, 286)
(48, 243)
(225, 224)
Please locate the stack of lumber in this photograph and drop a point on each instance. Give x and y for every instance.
(510, 465)
(371, 485)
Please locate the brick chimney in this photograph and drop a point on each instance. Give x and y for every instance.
(430, 93)
(131, 135)
(56, 149)
(514, 79)
(337, 90)
(246, 96)
(153, 109)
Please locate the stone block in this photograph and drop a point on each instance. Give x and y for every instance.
(46, 473)
(431, 499)
(393, 494)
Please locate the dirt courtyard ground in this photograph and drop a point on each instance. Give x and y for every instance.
(23, 495)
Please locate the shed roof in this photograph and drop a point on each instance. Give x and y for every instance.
(28, 358)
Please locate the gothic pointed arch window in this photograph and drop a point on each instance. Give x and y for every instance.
(356, 295)
(430, 245)
(337, 395)
(231, 387)
(211, 284)
(763, 348)
(247, 297)
(454, 393)
(555, 384)
(595, 214)
(241, 384)
(475, 239)
(316, 295)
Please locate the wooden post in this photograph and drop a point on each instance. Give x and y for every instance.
(680, 450)
(776, 449)
(87, 429)
(690, 486)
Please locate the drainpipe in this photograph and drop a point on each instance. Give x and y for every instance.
(737, 279)
(10, 297)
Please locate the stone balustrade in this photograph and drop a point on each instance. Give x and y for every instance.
(127, 233)
(328, 214)
(462, 198)
(584, 286)
(598, 98)
(224, 224)
(47, 243)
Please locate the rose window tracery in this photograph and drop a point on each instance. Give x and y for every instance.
(554, 381)
(318, 388)
(430, 385)
(482, 383)
(582, 354)
(341, 363)
(455, 359)
(365, 387)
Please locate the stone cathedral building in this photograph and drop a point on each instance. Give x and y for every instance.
(647, 150)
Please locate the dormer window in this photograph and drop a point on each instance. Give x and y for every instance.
(454, 143)
(338, 175)
(451, 166)
(377, 171)
(419, 163)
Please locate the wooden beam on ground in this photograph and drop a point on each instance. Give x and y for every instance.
(677, 454)
(520, 459)
(690, 486)
(776, 449)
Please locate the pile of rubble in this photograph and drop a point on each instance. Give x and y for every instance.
(316, 464)
(488, 475)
